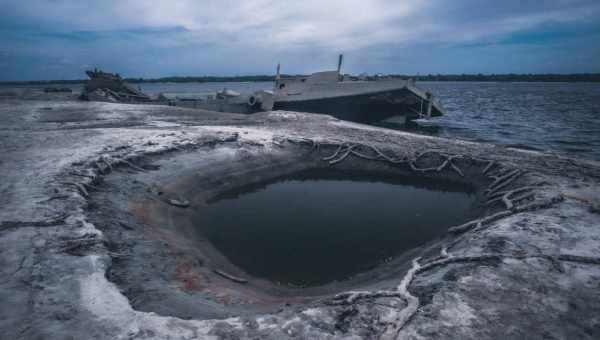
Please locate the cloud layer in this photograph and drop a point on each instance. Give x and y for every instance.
(59, 38)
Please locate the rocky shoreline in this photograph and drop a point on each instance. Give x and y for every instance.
(85, 253)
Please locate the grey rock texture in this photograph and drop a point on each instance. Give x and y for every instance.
(531, 271)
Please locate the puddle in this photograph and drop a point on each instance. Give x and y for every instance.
(321, 225)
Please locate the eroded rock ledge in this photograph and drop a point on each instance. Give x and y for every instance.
(529, 268)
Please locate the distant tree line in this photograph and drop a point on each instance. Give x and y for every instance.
(511, 77)
(578, 77)
(202, 79)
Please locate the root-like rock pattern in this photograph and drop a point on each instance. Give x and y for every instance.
(373, 153)
(502, 177)
(393, 331)
(412, 302)
(512, 200)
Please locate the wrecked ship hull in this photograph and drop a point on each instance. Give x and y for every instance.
(104, 86)
(363, 101)
(229, 105)
(394, 104)
(389, 100)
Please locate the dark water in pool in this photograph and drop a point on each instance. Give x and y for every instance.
(314, 228)
(559, 117)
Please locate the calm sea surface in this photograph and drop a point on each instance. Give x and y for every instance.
(559, 117)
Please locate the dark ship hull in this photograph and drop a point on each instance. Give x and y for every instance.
(363, 101)
(396, 104)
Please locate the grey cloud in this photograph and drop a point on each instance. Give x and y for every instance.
(154, 38)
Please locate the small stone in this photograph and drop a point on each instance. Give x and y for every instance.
(38, 243)
(154, 190)
(179, 203)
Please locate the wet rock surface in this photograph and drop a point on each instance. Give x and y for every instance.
(79, 260)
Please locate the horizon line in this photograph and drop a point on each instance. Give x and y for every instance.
(581, 76)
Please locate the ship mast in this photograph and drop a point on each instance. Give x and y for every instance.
(339, 68)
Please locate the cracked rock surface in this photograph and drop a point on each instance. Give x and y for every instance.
(528, 268)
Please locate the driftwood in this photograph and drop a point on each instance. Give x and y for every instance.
(446, 162)
(230, 277)
(131, 165)
(472, 224)
(505, 196)
(539, 204)
(498, 195)
(351, 297)
(5, 225)
(75, 173)
(54, 197)
(350, 149)
(488, 167)
(594, 205)
(125, 225)
(108, 165)
(412, 302)
(79, 246)
(80, 187)
(373, 153)
(118, 255)
(178, 203)
(101, 168)
(502, 181)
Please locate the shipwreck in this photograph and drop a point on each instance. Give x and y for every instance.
(104, 86)
(362, 101)
(329, 92)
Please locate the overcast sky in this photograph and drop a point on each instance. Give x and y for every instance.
(59, 39)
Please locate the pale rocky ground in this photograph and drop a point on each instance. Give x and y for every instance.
(532, 273)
